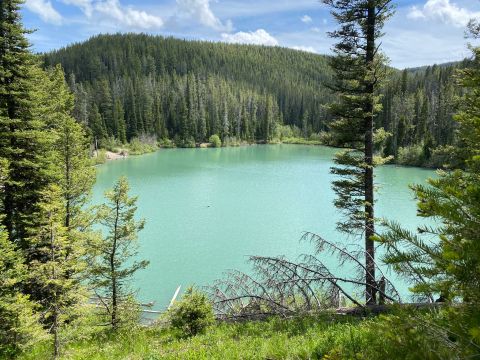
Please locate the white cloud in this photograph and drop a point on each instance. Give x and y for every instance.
(259, 37)
(120, 15)
(444, 11)
(127, 15)
(200, 11)
(304, 48)
(306, 19)
(85, 5)
(316, 29)
(45, 10)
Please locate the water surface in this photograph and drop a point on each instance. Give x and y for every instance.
(206, 210)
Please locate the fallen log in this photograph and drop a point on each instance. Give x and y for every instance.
(385, 308)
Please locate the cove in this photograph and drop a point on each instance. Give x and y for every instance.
(206, 210)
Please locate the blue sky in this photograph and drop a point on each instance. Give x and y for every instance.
(422, 32)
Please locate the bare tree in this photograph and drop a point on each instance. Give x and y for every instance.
(282, 287)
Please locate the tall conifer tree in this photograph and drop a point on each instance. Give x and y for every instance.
(113, 267)
(23, 140)
(358, 67)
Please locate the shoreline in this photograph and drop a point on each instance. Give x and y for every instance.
(124, 153)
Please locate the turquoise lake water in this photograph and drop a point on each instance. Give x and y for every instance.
(206, 210)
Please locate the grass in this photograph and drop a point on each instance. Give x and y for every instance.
(301, 141)
(324, 336)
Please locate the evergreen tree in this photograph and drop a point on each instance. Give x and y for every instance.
(97, 125)
(23, 137)
(305, 118)
(358, 66)
(53, 257)
(225, 122)
(76, 175)
(443, 261)
(19, 327)
(114, 265)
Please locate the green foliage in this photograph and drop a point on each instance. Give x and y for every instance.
(449, 265)
(412, 155)
(359, 70)
(193, 314)
(25, 140)
(55, 259)
(215, 141)
(19, 328)
(166, 143)
(185, 143)
(170, 87)
(418, 107)
(100, 156)
(114, 265)
(444, 259)
(138, 147)
(397, 336)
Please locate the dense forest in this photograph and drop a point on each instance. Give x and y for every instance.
(129, 86)
(191, 90)
(66, 266)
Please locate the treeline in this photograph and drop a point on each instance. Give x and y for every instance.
(188, 109)
(188, 90)
(418, 107)
(133, 85)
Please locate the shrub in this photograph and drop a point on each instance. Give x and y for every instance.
(166, 143)
(411, 155)
(185, 143)
(100, 156)
(138, 147)
(215, 140)
(193, 314)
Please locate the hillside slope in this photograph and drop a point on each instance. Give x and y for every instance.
(134, 85)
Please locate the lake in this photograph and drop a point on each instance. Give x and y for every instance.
(206, 210)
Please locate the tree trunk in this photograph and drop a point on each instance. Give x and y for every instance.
(369, 189)
(113, 269)
(56, 340)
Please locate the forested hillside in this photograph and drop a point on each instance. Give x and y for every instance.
(418, 106)
(170, 87)
(127, 86)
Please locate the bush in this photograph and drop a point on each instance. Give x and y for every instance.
(411, 155)
(185, 143)
(110, 144)
(166, 143)
(100, 156)
(138, 147)
(215, 141)
(193, 314)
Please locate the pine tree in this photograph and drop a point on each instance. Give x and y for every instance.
(105, 106)
(53, 257)
(20, 326)
(202, 111)
(75, 174)
(305, 118)
(448, 266)
(358, 66)
(114, 265)
(119, 120)
(24, 140)
(225, 122)
(97, 125)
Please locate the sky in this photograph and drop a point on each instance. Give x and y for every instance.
(422, 32)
